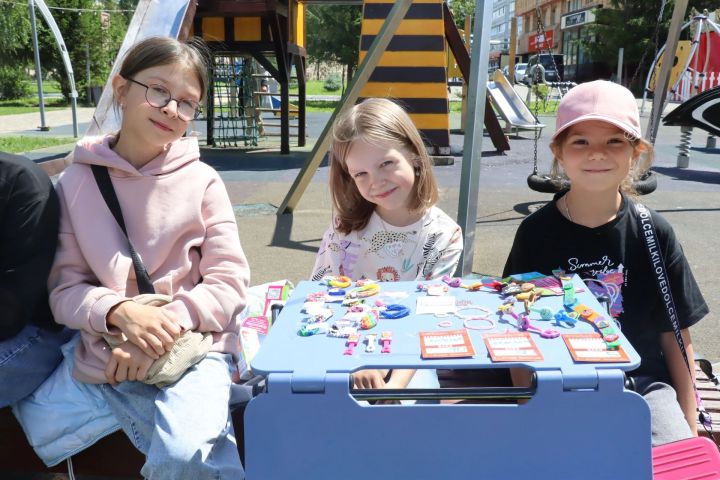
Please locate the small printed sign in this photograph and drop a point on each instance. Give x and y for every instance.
(591, 348)
(446, 344)
(512, 347)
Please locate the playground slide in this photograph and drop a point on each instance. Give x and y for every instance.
(152, 18)
(509, 104)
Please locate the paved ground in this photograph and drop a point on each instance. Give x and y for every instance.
(285, 246)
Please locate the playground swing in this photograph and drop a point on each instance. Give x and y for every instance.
(536, 181)
(647, 183)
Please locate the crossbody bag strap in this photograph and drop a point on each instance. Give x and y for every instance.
(657, 262)
(102, 177)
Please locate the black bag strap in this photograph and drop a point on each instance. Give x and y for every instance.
(102, 177)
(657, 261)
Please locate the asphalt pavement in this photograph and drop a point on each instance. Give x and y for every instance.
(284, 246)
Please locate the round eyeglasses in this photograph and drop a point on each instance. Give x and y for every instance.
(159, 96)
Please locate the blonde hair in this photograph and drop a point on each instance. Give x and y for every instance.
(376, 121)
(643, 157)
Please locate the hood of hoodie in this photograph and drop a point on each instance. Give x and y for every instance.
(97, 151)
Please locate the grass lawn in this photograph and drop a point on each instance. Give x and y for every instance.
(315, 87)
(25, 144)
(29, 105)
(49, 86)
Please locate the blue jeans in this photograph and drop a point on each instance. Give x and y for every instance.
(27, 359)
(184, 430)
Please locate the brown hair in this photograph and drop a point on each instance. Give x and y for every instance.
(376, 121)
(156, 51)
(643, 156)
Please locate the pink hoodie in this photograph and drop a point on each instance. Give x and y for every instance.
(179, 219)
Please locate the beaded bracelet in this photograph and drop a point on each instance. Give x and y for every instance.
(485, 317)
(340, 281)
(367, 290)
(394, 310)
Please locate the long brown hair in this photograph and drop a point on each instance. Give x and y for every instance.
(643, 156)
(376, 121)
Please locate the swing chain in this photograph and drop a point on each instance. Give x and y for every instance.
(546, 47)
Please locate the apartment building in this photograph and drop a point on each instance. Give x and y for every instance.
(565, 24)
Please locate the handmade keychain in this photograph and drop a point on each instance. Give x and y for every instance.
(607, 332)
(568, 291)
(523, 322)
(352, 342)
(385, 340)
(370, 341)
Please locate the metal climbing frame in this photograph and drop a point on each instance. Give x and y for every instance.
(232, 105)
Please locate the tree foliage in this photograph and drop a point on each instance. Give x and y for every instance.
(461, 9)
(633, 25)
(333, 34)
(90, 36)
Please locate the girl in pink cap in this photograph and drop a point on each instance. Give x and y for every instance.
(596, 230)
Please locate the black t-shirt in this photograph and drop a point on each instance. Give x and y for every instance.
(615, 254)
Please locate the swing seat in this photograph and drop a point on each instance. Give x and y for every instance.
(546, 184)
(647, 183)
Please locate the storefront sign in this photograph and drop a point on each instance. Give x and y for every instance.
(577, 18)
(540, 41)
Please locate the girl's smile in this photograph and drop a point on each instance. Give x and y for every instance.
(596, 156)
(385, 177)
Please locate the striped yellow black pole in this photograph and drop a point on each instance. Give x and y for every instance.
(412, 69)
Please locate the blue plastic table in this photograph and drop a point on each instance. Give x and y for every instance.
(579, 424)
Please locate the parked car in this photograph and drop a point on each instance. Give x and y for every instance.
(519, 71)
(551, 75)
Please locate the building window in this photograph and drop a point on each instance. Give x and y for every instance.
(573, 5)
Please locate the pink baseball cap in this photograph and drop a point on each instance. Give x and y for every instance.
(599, 100)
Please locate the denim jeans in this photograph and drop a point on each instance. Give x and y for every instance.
(667, 418)
(185, 429)
(27, 359)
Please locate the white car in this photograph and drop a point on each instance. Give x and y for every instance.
(520, 69)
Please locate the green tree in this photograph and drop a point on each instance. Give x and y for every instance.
(93, 32)
(333, 34)
(461, 9)
(633, 25)
(15, 50)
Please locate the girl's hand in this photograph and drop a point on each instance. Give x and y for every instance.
(368, 379)
(128, 363)
(153, 329)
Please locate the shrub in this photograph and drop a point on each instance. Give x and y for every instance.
(332, 83)
(13, 83)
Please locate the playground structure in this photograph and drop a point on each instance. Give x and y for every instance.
(693, 58)
(693, 79)
(510, 106)
(45, 11)
(112, 458)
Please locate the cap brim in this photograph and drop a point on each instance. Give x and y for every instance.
(603, 118)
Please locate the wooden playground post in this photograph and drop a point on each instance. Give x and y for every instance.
(660, 93)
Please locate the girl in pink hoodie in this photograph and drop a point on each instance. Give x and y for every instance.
(179, 219)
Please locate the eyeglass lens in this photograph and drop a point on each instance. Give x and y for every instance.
(159, 96)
